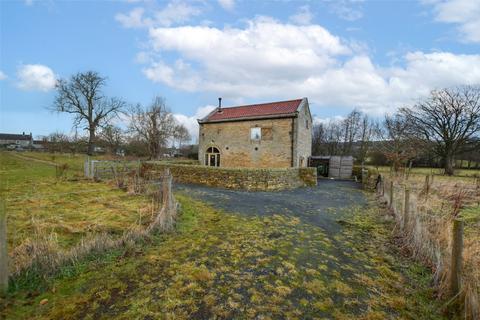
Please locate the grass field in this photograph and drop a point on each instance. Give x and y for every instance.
(459, 173)
(216, 264)
(40, 204)
(226, 266)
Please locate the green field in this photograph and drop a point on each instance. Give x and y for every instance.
(215, 265)
(459, 173)
(39, 204)
(224, 266)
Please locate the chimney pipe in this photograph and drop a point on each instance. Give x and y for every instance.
(220, 105)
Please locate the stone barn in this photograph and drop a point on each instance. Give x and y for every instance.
(266, 135)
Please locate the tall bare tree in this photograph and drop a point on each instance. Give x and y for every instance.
(351, 127)
(449, 119)
(112, 138)
(368, 131)
(399, 143)
(350, 136)
(82, 97)
(181, 134)
(155, 126)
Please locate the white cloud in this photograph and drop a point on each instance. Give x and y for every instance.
(190, 122)
(3, 76)
(347, 9)
(271, 60)
(227, 4)
(35, 77)
(326, 121)
(303, 16)
(134, 19)
(464, 13)
(173, 13)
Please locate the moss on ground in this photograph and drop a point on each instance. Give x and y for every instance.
(224, 266)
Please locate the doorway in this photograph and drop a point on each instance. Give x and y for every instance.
(212, 157)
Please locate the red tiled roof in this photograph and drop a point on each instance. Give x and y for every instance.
(280, 108)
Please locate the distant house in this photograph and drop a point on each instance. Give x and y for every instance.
(266, 135)
(21, 140)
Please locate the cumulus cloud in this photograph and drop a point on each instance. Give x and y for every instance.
(227, 4)
(303, 16)
(190, 122)
(463, 13)
(235, 59)
(173, 13)
(3, 76)
(35, 77)
(268, 59)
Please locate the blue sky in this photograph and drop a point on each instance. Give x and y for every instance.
(373, 55)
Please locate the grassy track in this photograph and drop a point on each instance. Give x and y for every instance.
(220, 265)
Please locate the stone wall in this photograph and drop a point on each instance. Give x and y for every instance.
(236, 148)
(236, 178)
(303, 133)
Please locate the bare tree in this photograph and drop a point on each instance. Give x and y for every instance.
(368, 131)
(350, 136)
(82, 97)
(58, 142)
(154, 126)
(327, 138)
(449, 119)
(351, 127)
(398, 141)
(112, 138)
(181, 134)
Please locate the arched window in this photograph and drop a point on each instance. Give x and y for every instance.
(212, 150)
(212, 157)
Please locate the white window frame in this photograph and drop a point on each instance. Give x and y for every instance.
(256, 133)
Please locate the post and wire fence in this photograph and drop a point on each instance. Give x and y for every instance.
(431, 229)
(44, 257)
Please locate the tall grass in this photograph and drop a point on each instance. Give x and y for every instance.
(428, 231)
(42, 255)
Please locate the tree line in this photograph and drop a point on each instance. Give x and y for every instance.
(436, 131)
(150, 131)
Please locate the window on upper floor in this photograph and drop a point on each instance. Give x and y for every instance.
(256, 133)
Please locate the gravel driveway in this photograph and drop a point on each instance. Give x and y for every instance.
(321, 206)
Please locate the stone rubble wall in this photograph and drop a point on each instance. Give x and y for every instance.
(235, 178)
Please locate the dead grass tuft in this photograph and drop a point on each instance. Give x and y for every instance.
(434, 203)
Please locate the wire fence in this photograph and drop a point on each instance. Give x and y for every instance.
(428, 217)
(42, 254)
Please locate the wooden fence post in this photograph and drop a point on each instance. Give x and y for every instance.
(456, 261)
(86, 168)
(3, 250)
(391, 194)
(427, 184)
(406, 208)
